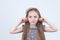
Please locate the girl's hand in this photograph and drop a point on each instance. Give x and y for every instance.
(24, 20)
(42, 19)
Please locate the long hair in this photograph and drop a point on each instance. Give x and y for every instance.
(38, 24)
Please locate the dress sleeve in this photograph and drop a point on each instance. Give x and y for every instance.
(22, 26)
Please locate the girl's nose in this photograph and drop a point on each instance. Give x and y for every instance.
(32, 19)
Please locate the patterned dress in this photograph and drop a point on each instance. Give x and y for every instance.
(32, 34)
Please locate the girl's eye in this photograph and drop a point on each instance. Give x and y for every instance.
(35, 16)
(30, 16)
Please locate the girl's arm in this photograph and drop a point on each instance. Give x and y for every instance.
(17, 29)
(50, 28)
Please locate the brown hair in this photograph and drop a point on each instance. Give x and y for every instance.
(38, 24)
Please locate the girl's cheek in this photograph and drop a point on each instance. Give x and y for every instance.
(29, 19)
(36, 19)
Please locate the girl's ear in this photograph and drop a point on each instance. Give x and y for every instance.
(26, 19)
(41, 19)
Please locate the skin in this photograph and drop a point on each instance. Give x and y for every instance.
(33, 18)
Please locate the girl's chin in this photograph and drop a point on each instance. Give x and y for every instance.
(32, 23)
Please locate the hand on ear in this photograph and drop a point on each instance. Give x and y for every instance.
(41, 19)
(24, 20)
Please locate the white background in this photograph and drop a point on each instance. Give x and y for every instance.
(12, 10)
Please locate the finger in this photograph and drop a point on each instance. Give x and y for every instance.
(22, 19)
(41, 19)
(26, 19)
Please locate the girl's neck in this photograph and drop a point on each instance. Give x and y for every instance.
(32, 25)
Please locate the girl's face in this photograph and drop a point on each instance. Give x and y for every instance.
(33, 17)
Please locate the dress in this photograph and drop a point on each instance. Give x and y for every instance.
(32, 34)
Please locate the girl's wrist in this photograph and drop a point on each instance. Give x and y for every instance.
(47, 22)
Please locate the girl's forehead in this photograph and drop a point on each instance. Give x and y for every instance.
(33, 13)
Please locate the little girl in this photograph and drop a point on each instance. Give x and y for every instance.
(33, 29)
